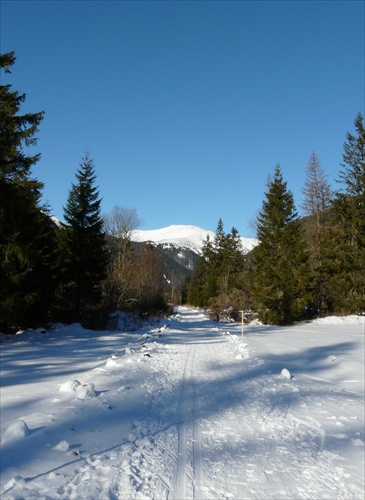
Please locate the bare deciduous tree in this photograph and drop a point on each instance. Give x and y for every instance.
(121, 222)
(119, 226)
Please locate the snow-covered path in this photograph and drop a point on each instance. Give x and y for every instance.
(186, 410)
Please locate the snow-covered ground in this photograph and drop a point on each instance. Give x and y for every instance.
(186, 409)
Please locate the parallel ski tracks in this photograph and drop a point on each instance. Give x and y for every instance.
(189, 466)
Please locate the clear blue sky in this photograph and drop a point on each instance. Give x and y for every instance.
(186, 107)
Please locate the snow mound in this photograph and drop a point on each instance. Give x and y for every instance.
(111, 362)
(86, 391)
(70, 386)
(62, 446)
(83, 391)
(352, 319)
(16, 430)
(285, 373)
(17, 481)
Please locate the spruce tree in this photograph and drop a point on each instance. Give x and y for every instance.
(81, 241)
(197, 291)
(345, 244)
(232, 261)
(25, 233)
(280, 265)
(17, 132)
(219, 270)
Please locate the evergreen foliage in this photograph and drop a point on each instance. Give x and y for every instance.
(280, 264)
(26, 236)
(345, 242)
(16, 132)
(202, 284)
(218, 271)
(82, 248)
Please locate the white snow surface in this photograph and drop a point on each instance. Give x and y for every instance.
(185, 236)
(184, 409)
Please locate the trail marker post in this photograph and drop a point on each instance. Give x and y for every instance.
(242, 317)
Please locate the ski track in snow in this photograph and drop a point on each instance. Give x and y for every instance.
(190, 410)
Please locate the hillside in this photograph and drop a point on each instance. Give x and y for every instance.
(179, 248)
(184, 236)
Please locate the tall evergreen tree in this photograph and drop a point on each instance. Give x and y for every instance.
(83, 256)
(201, 285)
(352, 174)
(345, 246)
(219, 270)
(25, 233)
(17, 132)
(281, 273)
(232, 261)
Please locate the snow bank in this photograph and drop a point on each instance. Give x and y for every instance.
(340, 320)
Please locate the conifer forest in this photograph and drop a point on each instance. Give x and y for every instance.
(87, 266)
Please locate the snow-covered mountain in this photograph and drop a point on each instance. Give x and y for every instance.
(184, 236)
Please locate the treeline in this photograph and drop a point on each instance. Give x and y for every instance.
(303, 267)
(78, 271)
(89, 266)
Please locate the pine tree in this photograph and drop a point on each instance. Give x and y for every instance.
(280, 274)
(25, 234)
(345, 245)
(81, 241)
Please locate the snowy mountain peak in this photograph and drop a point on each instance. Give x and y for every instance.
(186, 236)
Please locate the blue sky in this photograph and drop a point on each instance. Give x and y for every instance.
(186, 107)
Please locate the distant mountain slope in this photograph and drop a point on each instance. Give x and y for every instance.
(184, 236)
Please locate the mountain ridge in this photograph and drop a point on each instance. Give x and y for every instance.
(184, 236)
